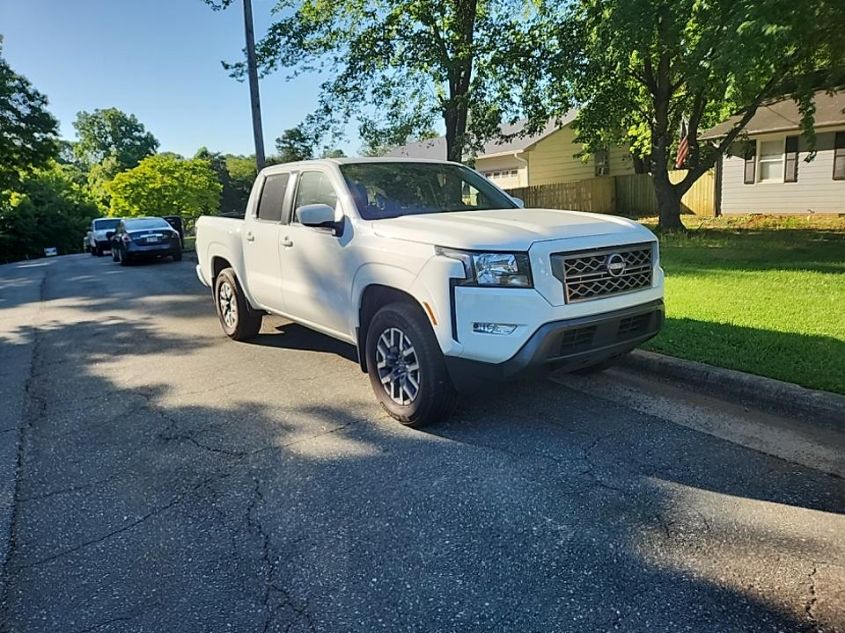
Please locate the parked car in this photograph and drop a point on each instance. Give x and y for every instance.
(100, 234)
(145, 238)
(439, 278)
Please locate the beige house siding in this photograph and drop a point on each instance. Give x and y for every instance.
(506, 171)
(553, 160)
(621, 163)
(815, 191)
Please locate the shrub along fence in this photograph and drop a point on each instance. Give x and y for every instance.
(631, 195)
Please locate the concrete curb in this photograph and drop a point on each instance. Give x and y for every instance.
(765, 393)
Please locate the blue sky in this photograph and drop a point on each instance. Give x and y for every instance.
(158, 59)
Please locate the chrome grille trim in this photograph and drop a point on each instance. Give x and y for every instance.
(585, 275)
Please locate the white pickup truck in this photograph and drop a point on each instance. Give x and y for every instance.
(441, 280)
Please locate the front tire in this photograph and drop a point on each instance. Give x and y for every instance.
(406, 367)
(239, 320)
(177, 257)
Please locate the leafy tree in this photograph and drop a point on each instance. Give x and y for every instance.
(242, 172)
(400, 65)
(51, 208)
(295, 144)
(166, 185)
(27, 130)
(236, 175)
(334, 153)
(637, 68)
(112, 134)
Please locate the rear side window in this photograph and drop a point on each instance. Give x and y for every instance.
(273, 197)
(314, 188)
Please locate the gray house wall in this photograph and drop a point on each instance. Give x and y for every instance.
(816, 190)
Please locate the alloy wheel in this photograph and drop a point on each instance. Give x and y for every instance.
(228, 304)
(398, 366)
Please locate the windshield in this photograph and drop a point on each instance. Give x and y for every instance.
(145, 223)
(394, 189)
(105, 225)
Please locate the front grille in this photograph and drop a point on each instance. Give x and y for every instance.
(633, 325)
(602, 273)
(577, 339)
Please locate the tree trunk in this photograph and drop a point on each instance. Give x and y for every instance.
(668, 204)
(454, 135)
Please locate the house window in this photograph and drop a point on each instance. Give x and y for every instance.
(602, 163)
(839, 156)
(770, 161)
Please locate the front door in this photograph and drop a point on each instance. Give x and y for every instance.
(261, 244)
(317, 275)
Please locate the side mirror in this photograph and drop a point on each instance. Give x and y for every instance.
(519, 202)
(318, 215)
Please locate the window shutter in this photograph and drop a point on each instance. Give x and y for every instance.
(790, 168)
(750, 164)
(839, 156)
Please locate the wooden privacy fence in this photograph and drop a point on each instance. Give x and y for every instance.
(595, 194)
(631, 195)
(635, 194)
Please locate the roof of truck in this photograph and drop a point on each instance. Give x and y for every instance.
(347, 161)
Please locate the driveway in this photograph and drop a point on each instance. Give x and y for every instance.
(168, 479)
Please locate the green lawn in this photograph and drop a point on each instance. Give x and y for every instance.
(758, 294)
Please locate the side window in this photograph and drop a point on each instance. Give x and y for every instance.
(273, 197)
(314, 188)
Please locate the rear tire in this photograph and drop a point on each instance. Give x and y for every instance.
(177, 257)
(239, 320)
(406, 367)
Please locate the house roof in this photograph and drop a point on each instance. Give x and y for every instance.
(436, 147)
(783, 116)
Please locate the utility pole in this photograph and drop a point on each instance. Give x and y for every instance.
(254, 97)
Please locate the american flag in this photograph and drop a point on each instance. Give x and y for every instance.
(683, 147)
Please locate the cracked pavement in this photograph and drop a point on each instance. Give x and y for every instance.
(155, 476)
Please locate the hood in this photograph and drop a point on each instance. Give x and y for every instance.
(503, 229)
(101, 233)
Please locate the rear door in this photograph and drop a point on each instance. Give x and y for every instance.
(261, 242)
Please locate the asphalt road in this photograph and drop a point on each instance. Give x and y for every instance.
(168, 479)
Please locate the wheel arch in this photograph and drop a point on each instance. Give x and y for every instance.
(373, 297)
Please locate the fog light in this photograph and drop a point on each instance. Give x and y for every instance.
(493, 328)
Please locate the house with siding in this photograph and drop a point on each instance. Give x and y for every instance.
(549, 157)
(772, 169)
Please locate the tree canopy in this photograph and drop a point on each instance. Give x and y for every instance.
(49, 208)
(294, 144)
(399, 66)
(639, 68)
(166, 185)
(112, 135)
(28, 132)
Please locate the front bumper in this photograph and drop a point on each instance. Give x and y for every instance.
(568, 344)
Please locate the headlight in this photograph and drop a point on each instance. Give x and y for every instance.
(492, 269)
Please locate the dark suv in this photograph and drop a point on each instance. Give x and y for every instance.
(137, 238)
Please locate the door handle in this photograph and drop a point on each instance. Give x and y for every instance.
(250, 237)
(286, 242)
